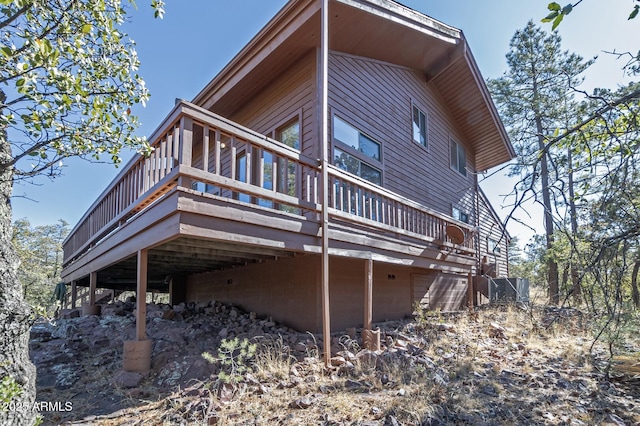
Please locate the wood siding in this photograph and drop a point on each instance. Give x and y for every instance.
(291, 94)
(377, 98)
(284, 290)
(493, 229)
(287, 290)
(435, 290)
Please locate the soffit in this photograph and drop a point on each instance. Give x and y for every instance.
(381, 30)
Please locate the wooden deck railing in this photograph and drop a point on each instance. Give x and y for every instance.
(82, 297)
(355, 199)
(197, 150)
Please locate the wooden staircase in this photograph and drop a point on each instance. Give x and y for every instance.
(82, 297)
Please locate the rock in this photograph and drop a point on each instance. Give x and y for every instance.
(226, 392)
(64, 330)
(616, 420)
(391, 421)
(70, 313)
(347, 355)
(366, 356)
(154, 314)
(337, 361)
(497, 331)
(351, 384)
(446, 327)
(301, 403)
(127, 379)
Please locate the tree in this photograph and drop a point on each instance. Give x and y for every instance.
(534, 97)
(557, 12)
(69, 82)
(39, 249)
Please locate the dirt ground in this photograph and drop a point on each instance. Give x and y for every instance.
(498, 365)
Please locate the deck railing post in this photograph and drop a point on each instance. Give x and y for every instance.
(186, 148)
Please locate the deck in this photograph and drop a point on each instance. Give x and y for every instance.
(215, 195)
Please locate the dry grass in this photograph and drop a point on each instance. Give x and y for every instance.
(497, 365)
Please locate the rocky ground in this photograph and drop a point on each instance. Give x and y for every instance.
(497, 365)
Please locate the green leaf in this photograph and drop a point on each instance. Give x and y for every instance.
(634, 13)
(86, 29)
(554, 6)
(567, 9)
(557, 21)
(549, 17)
(6, 51)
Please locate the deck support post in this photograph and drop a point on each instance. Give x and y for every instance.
(324, 146)
(93, 282)
(74, 294)
(370, 338)
(90, 308)
(141, 296)
(368, 293)
(470, 291)
(137, 353)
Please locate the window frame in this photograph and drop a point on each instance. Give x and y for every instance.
(460, 213)
(459, 148)
(496, 246)
(361, 157)
(279, 129)
(425, 130)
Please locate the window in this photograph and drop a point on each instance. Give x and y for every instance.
(419, 126)
(458, 158)
(354, 151)
(286, 172)
(241, 175)
(289, 134)
(458, 214)
(351, 164)
(493, 246)
(352, 137)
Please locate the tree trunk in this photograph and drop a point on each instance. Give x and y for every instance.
(635, 295)
(552, 265)
(576, 288)
(15, 314)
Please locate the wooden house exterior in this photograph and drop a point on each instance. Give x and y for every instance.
(231, 205)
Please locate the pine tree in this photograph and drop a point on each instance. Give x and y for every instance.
(534, 98)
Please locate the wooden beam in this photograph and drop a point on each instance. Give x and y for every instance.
(324, 132)
(93, 281)
(141, 296)
(74, 294)
(368, 293)
(470, 291)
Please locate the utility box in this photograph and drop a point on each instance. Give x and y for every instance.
(508, 290)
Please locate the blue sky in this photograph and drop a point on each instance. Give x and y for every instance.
(184, 51)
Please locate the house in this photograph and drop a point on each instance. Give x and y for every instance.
(326, 177)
